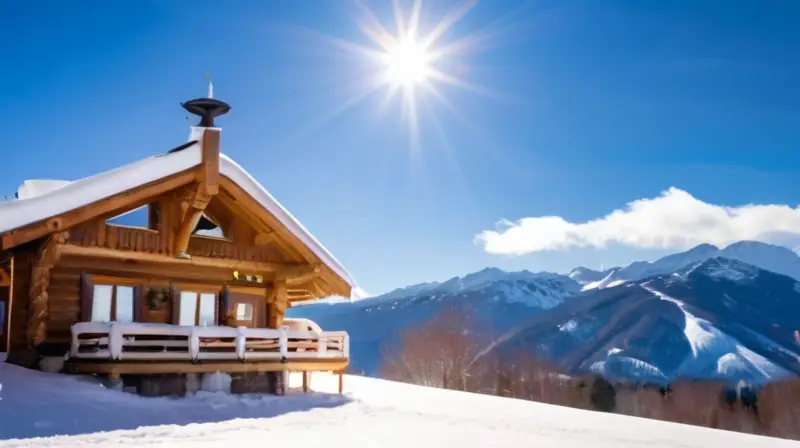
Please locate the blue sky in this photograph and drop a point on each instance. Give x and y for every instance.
(595, 104)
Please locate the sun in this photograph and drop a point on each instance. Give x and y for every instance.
(410, 63)
(407, 64)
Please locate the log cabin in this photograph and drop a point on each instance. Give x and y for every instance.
(198, 288)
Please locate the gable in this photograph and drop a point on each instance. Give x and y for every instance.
(132, 186)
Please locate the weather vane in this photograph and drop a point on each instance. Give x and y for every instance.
(207, 108)
(210, 85)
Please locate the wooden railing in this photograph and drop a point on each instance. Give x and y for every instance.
(140, 239)
(161, 342)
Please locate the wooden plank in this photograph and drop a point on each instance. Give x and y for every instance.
(112, 205)
(148, 271)
(286, 270)
(154, 368)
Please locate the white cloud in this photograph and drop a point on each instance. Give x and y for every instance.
(673, 220)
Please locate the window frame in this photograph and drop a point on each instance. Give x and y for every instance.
(113, 282)
(198, 290)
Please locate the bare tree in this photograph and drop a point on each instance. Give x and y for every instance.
(439, 352)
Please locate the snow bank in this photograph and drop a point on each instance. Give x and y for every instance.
(371, 413)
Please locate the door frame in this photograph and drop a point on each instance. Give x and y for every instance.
(254, 296)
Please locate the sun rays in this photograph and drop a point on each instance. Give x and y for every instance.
(407, 62)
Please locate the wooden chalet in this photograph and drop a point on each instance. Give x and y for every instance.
(202, 288)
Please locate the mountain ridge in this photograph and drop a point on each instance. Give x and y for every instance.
(736, 318)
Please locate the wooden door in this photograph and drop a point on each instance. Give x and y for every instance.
(247, 309)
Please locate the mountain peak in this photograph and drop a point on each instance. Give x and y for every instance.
(720, 268)
(705, 247)
(584, 275)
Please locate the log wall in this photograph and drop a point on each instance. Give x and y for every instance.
(20, 306)
(65, 301)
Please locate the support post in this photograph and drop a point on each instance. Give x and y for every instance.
(341, 381)
(206, 187)
(278, 303)
(40, 282)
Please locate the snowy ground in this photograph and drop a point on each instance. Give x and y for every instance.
(371, 413)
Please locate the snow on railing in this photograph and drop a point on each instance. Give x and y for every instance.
(140, 341)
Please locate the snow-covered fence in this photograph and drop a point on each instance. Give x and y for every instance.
(161, 342)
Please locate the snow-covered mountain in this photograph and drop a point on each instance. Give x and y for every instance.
(718, 318)
(584, 275)
(770, 257)
(708, 312)
(504, 298)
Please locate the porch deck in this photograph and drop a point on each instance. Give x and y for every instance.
(144, 349)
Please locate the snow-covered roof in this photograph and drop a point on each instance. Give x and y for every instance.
(45, 199)
(37, 187)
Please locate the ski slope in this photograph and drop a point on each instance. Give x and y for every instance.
(36, 407)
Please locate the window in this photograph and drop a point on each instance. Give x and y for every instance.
(138, 217)
(208, 227)
(197, 309)
(247, 307)
(112, 303)
(244, 311)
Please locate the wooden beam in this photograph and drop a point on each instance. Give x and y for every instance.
(300, 298)
(278, 302)
(287, 270)
(262, 239)
(298, 278)
(112, 205)
(40, 281)
(316, 290)
(209, 167)
(188, 223)
(207, 186)
(153, 368)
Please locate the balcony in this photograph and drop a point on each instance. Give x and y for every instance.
(143, 348)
